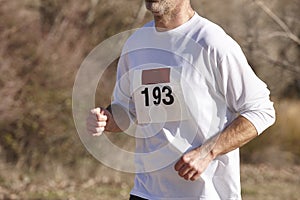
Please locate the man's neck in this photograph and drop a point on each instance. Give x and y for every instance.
(174, 19)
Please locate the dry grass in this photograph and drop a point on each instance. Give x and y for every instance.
(280, 144)
(258, 182)
(269, 183)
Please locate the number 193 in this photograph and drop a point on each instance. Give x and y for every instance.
(157, 95)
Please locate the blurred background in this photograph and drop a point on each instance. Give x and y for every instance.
(43, 43)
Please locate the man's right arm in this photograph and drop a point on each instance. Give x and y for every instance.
(112, 119)
(118, 116)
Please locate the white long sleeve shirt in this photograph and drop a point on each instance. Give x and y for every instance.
(183, 87)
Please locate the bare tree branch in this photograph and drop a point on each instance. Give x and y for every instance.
(275, 18)
(278, 63)
(267, 36)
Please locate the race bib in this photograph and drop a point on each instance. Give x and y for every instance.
(158, 95)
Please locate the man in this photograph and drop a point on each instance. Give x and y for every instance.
(183, 81)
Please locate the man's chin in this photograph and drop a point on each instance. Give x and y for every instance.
(154, 11)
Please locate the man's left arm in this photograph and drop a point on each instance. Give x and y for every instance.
(244, 94)
(192, 164)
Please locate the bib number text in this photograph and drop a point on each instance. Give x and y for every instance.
(157, 93)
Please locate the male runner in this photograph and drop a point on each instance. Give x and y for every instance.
(183, 81)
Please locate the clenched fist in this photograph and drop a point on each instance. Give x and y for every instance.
(191, 165)
(97, 121)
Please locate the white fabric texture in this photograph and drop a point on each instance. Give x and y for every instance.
(217, 84)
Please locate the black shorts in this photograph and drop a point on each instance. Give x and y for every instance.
(132, 197)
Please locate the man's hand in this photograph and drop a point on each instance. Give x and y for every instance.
(192, 164)
(96, 121)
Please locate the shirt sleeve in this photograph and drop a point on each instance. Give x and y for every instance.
(244, 92)
(122, 95)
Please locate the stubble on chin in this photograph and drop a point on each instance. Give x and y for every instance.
(159, 8)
